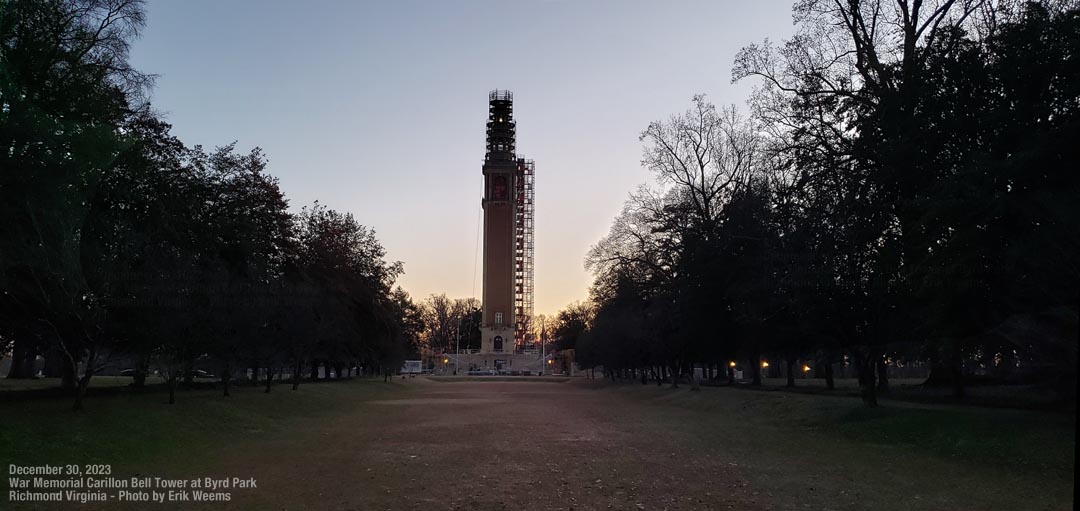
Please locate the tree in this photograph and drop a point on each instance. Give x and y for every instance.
(570, 323)
(441, 321)
(704, 155)
(845, 89)
(893, 164)
(120, 240)
(410, 322)
(997, 123)
(446, 319)
(880, 106)
(346, 261)
(66, 90)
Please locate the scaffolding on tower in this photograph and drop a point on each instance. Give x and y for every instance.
(523, 252)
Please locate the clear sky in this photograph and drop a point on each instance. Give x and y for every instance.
(378, 108)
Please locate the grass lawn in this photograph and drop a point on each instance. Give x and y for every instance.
(7, 385)
(999, 396)
(140, 433)
(833, 453)
(776, 450)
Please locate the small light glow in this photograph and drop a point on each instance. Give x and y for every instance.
(551, 361)
(732, 363)
(806, 369)
(446, 361)
(764, 363)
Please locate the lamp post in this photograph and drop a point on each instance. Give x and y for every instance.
(543, 352)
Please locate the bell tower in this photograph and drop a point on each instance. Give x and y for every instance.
(500, 211)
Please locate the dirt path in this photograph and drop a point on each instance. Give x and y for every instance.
(487, 445)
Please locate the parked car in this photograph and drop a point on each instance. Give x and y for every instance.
(199, 373)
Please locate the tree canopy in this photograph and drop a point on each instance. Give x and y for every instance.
(122, 242)
(902, 188)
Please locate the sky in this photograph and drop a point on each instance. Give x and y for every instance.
(378, 108)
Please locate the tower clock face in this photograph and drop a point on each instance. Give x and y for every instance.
(498, 188)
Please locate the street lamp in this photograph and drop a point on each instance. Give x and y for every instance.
(543, 344)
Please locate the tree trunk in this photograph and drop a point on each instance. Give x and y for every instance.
(269, 379)
(791, 372)
(830, 381)
(55, 363)
(172, 387)
(296, 374)
(142, 367)
(883, 376)
(694, 384)
(80, 391)
(676, 373)
(189, 372)
(84, 382)
(22, 359)
(755, 371)
(957, 366)
(1004, 370)
(866, 366)
(69, 377)
(226, 375)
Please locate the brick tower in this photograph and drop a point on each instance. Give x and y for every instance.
(500, 209)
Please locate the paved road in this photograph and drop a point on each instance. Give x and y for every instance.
(493, 445)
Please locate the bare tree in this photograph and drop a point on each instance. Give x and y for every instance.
(704, 154)
(844, 47)
(444, 317)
